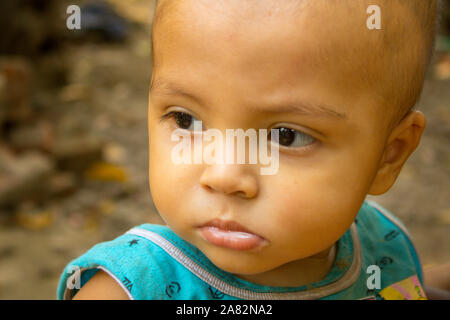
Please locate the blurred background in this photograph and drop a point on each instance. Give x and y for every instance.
(73, 140)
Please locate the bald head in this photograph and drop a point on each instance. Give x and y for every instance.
(392, 62)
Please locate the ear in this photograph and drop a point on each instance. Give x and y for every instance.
(401, 143)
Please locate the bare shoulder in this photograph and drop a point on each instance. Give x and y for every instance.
(101, 287)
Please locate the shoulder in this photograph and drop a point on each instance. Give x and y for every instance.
(387, 242)
(129, 266)
(101, 287)
(382, 225)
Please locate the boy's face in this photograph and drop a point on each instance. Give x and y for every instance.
(235, 67)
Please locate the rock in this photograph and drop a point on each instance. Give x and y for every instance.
(2, 102)
(38, 135)
(75, 92)
(24, 177)
(63, 183)
(76, 153)
(30, 27)
(114, 153)
(15, 89)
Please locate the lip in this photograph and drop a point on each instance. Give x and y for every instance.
(230, 234)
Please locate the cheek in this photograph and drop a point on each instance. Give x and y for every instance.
(172, 186)
(166, 179)
(313, 206)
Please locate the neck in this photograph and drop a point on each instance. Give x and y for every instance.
(298, 272)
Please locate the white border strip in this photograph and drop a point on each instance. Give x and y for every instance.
(347, 280)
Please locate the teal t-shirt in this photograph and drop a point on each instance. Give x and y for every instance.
(375, 259)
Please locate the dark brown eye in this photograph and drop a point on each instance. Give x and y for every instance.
(292, 138)
(183, 120)
(286, 136)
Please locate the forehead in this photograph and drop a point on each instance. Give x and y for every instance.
(271, 48)
(234, 33)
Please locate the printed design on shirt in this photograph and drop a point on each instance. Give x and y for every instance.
(127, 283)
(216, 294)
(407, 289)
(133, 242)
(369, 298)
(372, 293)
(172, 289)
(391, 235)
(384, 261)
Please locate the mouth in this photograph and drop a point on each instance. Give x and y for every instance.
(230, 234)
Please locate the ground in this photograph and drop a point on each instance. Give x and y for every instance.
(109, 87)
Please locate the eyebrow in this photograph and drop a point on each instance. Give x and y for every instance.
(303, 108)
(169, 89)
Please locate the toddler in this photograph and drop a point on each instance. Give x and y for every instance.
(334, 82)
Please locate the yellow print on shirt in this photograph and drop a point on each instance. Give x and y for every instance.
(407, 289)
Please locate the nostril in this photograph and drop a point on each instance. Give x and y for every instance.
(229, 180)
(241, 194)
(207, 187)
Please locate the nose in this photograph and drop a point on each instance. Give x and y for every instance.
(230, 179)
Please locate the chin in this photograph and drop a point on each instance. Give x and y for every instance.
(236, 263)
(240, 270)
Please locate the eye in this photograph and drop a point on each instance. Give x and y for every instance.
(292, 138)
(182, 119)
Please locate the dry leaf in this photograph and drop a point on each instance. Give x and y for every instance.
(106, 172)
(34, 220)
